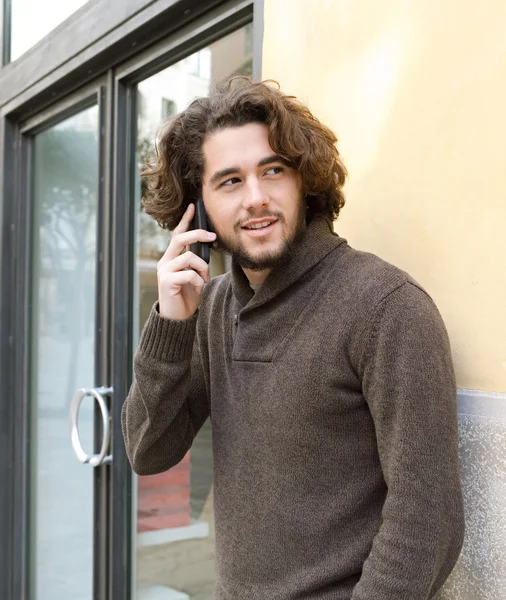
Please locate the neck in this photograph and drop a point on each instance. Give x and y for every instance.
(256, 277)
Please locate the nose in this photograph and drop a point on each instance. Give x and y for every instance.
(255, 196)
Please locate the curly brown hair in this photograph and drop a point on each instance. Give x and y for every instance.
(175, 177)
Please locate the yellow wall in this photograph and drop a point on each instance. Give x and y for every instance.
(416, 92)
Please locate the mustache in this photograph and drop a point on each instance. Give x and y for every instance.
(265, 215)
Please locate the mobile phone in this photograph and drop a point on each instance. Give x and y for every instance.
(200, 221)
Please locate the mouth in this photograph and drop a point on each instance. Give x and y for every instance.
(259, 227)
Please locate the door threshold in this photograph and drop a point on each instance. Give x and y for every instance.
(196, 530)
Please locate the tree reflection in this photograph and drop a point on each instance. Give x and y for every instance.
(66, 188)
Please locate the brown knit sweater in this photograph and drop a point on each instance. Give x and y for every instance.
(333, 405)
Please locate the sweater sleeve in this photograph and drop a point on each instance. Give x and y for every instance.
(167, 403)
(409, 385)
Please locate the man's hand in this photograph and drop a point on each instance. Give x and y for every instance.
(182, 274)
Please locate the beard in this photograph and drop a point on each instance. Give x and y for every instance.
(268, 259)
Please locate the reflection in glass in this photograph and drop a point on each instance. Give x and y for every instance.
(175, 524)
(62, 332)
(31, 21)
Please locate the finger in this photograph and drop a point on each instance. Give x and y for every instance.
(187, 238)
(172, 283)
(183, 225)
(179, 242)
(188, 260)
(186, 219)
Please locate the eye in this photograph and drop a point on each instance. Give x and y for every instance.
(274, 170)
(230, 182)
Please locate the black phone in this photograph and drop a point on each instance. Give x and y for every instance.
(200, 221)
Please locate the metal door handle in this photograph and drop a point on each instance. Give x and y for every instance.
(102, 458)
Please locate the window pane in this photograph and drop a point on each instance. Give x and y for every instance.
(62, 359)
(175, 523)
(31, 20)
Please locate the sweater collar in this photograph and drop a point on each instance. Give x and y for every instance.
(316, 242)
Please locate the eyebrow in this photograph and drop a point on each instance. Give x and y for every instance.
(235, 169)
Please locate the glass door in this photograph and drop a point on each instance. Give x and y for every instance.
(174, 523)
(67, 401)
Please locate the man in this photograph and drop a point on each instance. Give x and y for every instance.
(326, 372)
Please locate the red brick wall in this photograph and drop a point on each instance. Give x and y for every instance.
(164, 499)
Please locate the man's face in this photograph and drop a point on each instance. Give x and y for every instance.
(252, 198)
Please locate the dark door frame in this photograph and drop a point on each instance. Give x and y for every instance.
(21, 297)
(53, 79)
(98, 36)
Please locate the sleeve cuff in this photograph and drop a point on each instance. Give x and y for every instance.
(166, 339)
